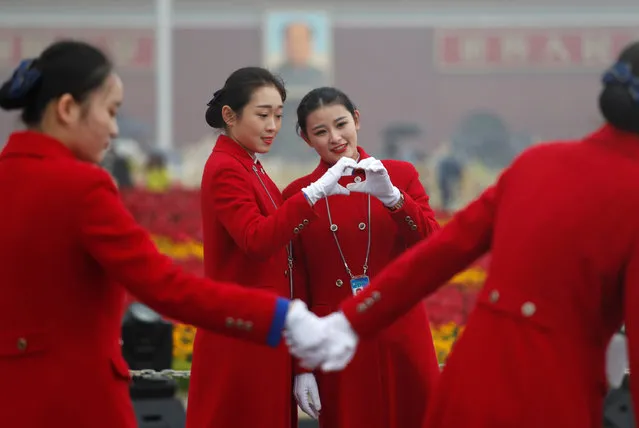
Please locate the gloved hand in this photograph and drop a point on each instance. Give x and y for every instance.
(377, 182)
(305, 334)
(327, 184)
(341, 344)
(617, 360)
(333, 347)
(307, 394)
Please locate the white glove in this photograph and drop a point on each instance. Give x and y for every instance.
(342, 343)
(336, 350)
(327, 184)
(307, 394)
(305, 334)
(617, 360)
(377, 182)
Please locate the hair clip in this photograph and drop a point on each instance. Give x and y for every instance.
(23, 79)
(621, 73)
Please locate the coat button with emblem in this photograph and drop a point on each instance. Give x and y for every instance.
(528, 309)
(493, 296)
(339, 282)
(22, 344)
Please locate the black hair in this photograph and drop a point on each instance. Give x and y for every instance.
(65, 67)
(619, 98)
(318, 98)
(237, 92)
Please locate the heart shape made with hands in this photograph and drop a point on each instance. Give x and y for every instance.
(352, 176)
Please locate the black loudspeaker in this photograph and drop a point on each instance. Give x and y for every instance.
(155, 404)
(147, 343)
(147, 339)
(618, 412)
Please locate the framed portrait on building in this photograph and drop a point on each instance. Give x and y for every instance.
(297, 45)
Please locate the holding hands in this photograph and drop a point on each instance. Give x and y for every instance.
(328, 343)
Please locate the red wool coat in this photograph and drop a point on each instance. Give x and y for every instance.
(234, 383)
(391, 377)
(65, 237)
(562, 227)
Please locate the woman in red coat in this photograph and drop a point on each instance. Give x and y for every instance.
(562, 227)
(247, 230)
(66, 240)
(353, 239)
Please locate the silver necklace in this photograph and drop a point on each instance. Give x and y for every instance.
(289, 247)
(358, 282)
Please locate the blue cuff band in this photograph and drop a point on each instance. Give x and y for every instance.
(279, 319)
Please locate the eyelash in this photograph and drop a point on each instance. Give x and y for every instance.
(322, 132)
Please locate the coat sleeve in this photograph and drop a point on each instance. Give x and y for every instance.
(127, 254)
(230, 195)
(423, 268)
(631, 302)
(415, 218)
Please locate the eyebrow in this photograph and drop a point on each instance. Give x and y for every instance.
(269, 106)
(322, 125)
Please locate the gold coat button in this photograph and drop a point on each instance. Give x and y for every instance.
(407, 218)
(305, 222)
(493, 296)
(230, 322)
(296, 230)
(339, 282)
(240, 323)
(410, 223)
(413, 227)
(528, 309)
(376, 295)
(361, 307)
(369, 301)
(362, 226)
(300, 226)
(22, 344)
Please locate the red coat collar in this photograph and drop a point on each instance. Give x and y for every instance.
(31, 143)
(616, 139)
(324, 166)
(228, 145)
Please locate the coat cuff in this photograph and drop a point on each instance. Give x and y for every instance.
(279, 320)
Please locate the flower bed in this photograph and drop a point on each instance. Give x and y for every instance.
(173, 218)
